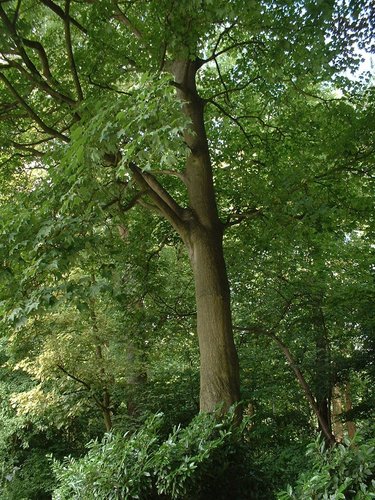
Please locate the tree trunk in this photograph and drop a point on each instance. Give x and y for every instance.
(337, 413)
(107, 414)
(323, 376)
(219, 371)
(350, 425)
(202, 234)
(324, 425)
(202, 231)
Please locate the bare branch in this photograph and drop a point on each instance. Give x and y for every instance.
(27, 149)
(80, 381)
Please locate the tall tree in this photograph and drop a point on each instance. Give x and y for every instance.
(111, 97)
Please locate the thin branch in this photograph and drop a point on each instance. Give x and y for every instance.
(235, 45)
(37, 80)
(16, 13)
(233, 118)
(34, 74)
(149, 206)
(107, 87)
(124, 207)
(31, 112)
(219, 39)
(234, 219)
(80, 381)
(235, 89)
(27, 149)
(262, 122)
(69, 50)
(74, 377)
(8, 107)
(226, 93)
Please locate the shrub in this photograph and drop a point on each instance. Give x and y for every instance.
(192, 461)
(346, 471)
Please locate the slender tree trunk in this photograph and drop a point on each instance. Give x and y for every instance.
(107, 414)
(324, 425)
(350, 425)
(323, 376)
(342, 403)
(105, 403)
(337, 413)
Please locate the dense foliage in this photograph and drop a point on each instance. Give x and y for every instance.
(186, 220)
(193, 462)
(346, 471)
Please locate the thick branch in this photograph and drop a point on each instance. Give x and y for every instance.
(59, 11)
(42, 56)
(164, 195)
(125, 20)
(162, 199)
